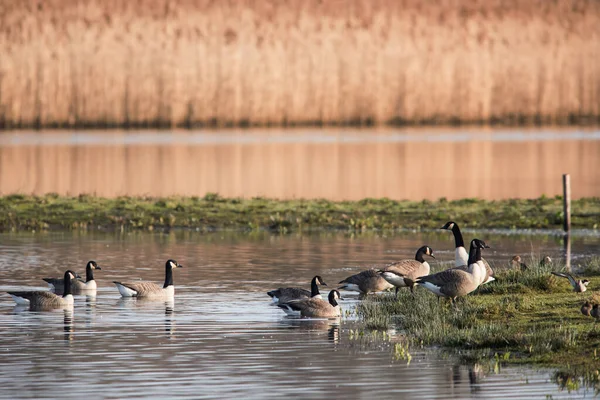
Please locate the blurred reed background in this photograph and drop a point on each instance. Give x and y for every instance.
(109, 63)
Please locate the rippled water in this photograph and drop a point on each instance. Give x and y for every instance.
(221, 338)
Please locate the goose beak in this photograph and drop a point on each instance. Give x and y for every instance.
(77, 276)
(179, 266)
(323, 284)
(431, 255)
(97, 267)
(486, 247)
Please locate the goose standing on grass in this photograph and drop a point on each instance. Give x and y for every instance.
(283, 295)
(461, 257)
(586, 308)
(404, 273)
(517, 264)
(43, 300)
(150, 290)
(314, 308)
(578, 284)
(366, 282)
(57, 284)
(455, 282)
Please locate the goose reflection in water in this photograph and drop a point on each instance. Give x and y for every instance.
(141, 304)
(68, 326)
(315, 328)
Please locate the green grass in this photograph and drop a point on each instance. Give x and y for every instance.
(523, 317)
(19, 212)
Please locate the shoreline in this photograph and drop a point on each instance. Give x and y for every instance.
(524, 317)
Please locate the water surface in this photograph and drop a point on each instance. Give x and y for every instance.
(337, 164)
(220, 338)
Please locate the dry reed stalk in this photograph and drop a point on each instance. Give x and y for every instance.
(195, 63)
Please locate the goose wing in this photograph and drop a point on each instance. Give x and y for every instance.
(488, 268)
(142, 288)
(568, 276)
(361, 276)
(287, 294)
(312, 307)
(444, 277)
(403, 267)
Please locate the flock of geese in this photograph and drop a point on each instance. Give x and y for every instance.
(61, 294)
(469, 272)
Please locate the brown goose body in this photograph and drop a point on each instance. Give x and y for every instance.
(283, 295)
(314, 308)
(151, 290)
(456, 282)
(461, 257)
(404, 273)
(44, 300)
(365, 282)
(586, 308)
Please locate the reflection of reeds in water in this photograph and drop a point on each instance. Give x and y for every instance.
(169, 63)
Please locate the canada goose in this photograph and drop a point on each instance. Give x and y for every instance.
(283, 295)
(461, 257)
(314, 308)
(516, 264)
(595, 312)
(365, 282)
(578, 284)
(405, 272)
(57, 284)
(150, 289)
(455, 282)
(586, 308)
(42, 300)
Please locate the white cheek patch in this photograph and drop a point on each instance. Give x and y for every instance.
(450, 226)
(173, 265)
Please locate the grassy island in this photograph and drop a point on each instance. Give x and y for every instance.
(212, 212)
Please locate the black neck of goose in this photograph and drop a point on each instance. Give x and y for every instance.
(89, 273)
(168, 276)
(458, 238)
(67, 285)
(314, 288)
(474, 252)
(419, 255)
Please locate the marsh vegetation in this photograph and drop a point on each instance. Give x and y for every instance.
(19, 212)
(177, 63)
(526, 316)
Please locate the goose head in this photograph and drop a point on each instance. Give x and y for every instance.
(172, 264)
(333, 296)
(428, 251)
(480, 244)
(92, 265)
(319, 281)
(449, 225)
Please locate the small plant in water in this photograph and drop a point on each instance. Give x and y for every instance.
(401, 352)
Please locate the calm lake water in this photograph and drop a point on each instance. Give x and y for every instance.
(221, 338)
(338, 164)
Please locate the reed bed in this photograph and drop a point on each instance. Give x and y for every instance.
(138, 63)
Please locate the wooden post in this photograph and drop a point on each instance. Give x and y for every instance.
(567, 248)
(567, 203)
